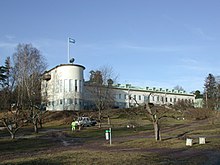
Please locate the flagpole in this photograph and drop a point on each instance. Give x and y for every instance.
(68, 50)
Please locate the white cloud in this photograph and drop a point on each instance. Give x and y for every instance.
(10, 37)
(7, 45)
(160, 48)
(199, 32)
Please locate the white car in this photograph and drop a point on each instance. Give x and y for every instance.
(85, 121)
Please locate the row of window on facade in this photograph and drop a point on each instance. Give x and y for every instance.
(152, 98)
(68, 85)
(68, 101)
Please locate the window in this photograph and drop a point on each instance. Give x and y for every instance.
(75, 85)
(70, 101)
(125, 96)
(171, 100)
(60, 85)
(57, 86)
(80, 85)
(66, 85)
(152, 98)
(61, 101)
(71, 85)
(135, 97)
(65, 101)
(139, 97)
(119, 96)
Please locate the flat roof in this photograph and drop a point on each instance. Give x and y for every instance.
(65, 65)
(151, 89)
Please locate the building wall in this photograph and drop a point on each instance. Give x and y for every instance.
(199, 103)
(139, 96)
(64, 89)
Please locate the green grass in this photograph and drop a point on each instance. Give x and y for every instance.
(24, 145)
(87, 158)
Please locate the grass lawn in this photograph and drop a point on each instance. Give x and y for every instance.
(57, 144)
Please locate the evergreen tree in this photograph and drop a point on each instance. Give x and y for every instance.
(3, 77)
(210, 93)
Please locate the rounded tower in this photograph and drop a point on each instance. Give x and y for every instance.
(63, 86)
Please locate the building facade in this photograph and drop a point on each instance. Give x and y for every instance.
(63, 86)
(129, 96)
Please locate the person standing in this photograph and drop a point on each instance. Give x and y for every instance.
(73, 124)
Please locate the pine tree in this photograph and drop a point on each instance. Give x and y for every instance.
(210, 93)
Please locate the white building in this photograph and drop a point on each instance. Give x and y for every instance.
(128, 96)
(63, 89)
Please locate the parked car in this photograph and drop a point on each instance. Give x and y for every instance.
(86, 121)
(93, 122)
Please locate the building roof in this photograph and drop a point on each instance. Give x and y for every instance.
(65, 65)
(150, 89)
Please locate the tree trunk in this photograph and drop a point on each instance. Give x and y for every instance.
(41, 123)
(109, 122)
(35, 122)
(157, 130)
(12, 135)
(99, 117)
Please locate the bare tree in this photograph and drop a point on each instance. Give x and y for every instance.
(99, 89)
(29, 65)
(13, 120)
(157, 113)
(178, 87)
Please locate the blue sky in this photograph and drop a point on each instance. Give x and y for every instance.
(161, 43)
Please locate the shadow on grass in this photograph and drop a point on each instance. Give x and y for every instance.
(181, 136)
(36, 162)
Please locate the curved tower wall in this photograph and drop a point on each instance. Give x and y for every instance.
(63, 90)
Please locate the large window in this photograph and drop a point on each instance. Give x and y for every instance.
(80, 86)
(60, 85)
(75, 85)
(66, 85)
(71, 85)
(57, 86)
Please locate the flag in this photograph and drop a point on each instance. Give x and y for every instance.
(71, 40)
